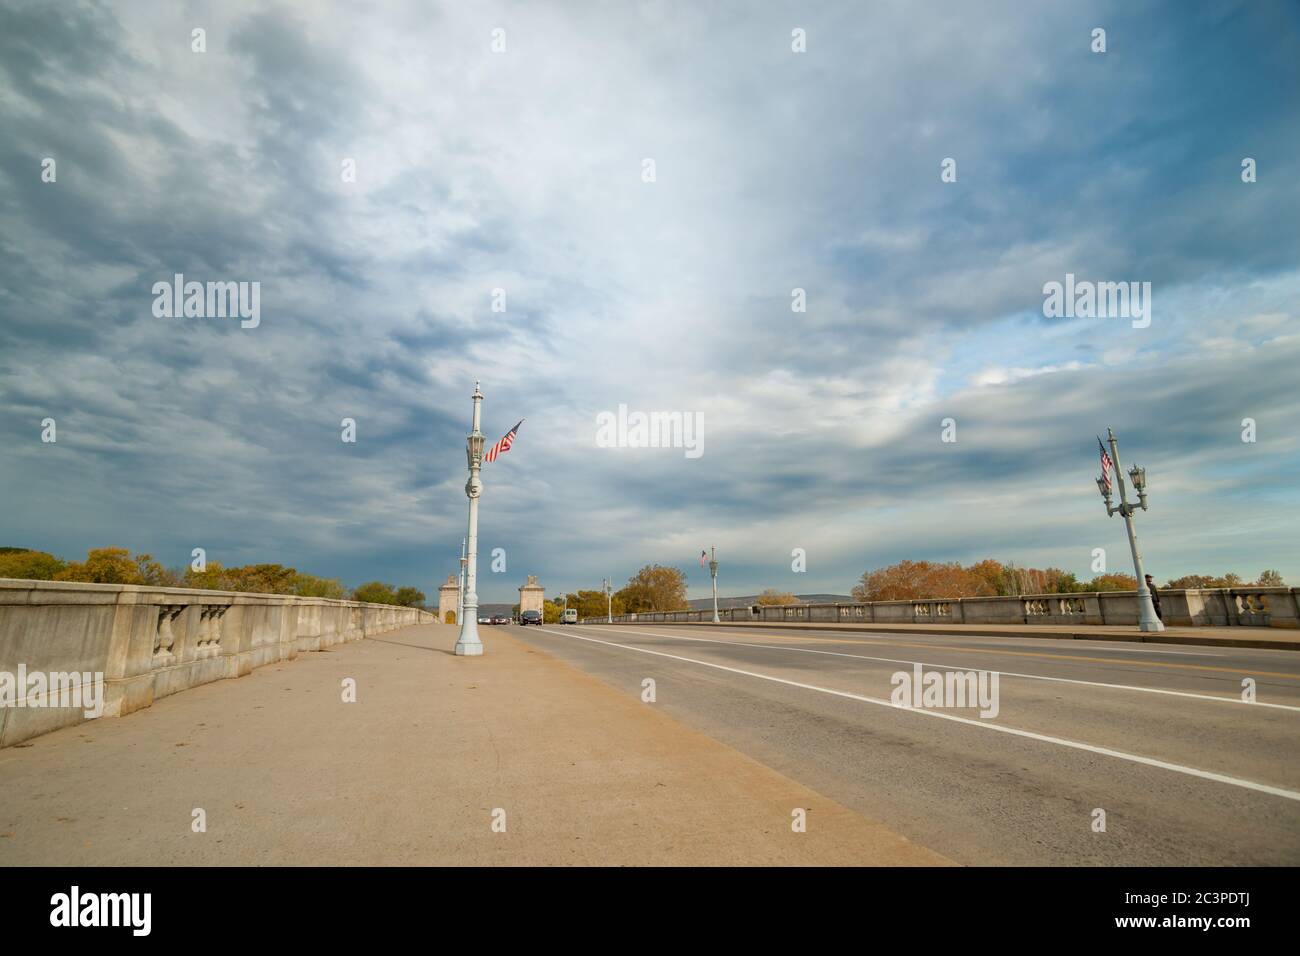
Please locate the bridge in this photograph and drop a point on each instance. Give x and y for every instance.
(273, 729)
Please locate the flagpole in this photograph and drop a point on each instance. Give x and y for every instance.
(469, 644)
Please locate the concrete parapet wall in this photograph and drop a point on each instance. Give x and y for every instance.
(150, 642)
(1204, 607)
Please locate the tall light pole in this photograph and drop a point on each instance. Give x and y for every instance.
(460, 593)
(469, 644)
(609, 600)
(713, 572)
(1146, 610)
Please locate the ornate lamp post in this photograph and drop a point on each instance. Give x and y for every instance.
(460, 594)
(1146, 610)
(469, 644)
(713, 572)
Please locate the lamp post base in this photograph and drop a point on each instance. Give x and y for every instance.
(1152, 626)
(468, 644)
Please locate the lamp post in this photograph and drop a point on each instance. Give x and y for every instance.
(1146, 610)
(713, 572)
(468, 644)
(460, 592)
(609, 601)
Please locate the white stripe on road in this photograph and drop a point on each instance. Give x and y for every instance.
(895, 660)
(972, 722)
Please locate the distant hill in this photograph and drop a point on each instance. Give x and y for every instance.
(707, 603)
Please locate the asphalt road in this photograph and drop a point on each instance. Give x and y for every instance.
(1156, 737)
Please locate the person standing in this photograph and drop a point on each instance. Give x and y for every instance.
(1155, 598)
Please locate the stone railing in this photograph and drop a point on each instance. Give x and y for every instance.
(150, 642)
(1205, 607)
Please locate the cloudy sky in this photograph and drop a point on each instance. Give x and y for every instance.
(523, 169)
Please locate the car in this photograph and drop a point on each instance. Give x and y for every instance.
(485, 620)
(570, 616)
(531, 617)
(500, 620)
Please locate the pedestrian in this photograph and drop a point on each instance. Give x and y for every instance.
(1155, 598)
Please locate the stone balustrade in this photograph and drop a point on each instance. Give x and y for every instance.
(1203, 607)
(149, 642)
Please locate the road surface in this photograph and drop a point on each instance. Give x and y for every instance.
(1158, 738)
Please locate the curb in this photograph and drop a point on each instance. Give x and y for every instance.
(1137, 637)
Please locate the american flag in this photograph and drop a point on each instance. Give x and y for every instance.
(703, 557)
(503, 446)
(1106, 465)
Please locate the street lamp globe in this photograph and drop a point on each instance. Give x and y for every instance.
(1139, 476)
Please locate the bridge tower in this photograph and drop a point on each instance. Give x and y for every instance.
(531, 595)
(448, 596)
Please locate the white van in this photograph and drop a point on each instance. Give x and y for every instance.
(570, 616)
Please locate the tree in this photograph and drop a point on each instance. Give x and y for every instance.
(375, 592)
(308, 585)
(103, 566)
(914, 580)
(211, 578)
(772, 596)
(993, 574)
(261, 579)
(591, 604)
(1271, 579)
(655, 588)
(152, 572)
(409, 597)
(29, 565)
(1115, 581)
(1228, 580)
(1063, 582)
(551, 611)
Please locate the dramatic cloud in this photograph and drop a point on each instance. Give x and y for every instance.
(523, 170)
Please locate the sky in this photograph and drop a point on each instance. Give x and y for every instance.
(504, 146)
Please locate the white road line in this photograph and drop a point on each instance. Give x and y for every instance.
(969, 721)
(895, 660)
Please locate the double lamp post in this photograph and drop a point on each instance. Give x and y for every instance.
(1146, 609)
(469, 644)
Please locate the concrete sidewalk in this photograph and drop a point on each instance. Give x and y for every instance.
(1272, 638)
(287, 773)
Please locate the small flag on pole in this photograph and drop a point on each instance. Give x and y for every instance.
(1106, 465)
(704, 557)
(503, 446)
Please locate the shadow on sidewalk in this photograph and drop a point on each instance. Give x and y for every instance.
(418, 647)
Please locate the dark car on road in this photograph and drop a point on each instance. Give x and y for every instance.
(531, 617)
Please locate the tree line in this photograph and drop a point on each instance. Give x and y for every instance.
(659, 588)
(119, 566)
(912, 580)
